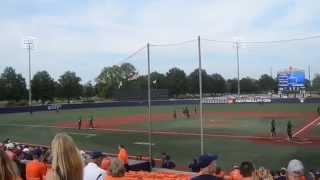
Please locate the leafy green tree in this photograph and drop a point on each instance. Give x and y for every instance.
(193, 80)
(248, 85)
(267, 83)
(316, 83)
(42, 86)
(158, 80)
(217, 84)
(12, 85)
(88, 90)
(176, 82)
(115, 77)
(70, 85)
(232, 86)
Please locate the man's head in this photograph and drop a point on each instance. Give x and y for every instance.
(283, 171)
(36, 153)
(246, 169)
(207, 163)
(96, 157)
(121, 146)
(295, 169)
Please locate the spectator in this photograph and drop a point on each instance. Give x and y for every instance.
(92, 169)
(116, 170)
(194, 166)
(105, 163)
(207, 165)
(123, 156)
(66, 161)
(235, 173)
(9, 150)
(163, 158)
(36, 169)
(8, 169)
(168, 164)
(219, 173)
(246, 170)
(263, 174)
(295, 170)
(315, 174)
(282, 174)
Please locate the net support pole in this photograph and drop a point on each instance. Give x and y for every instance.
(149, 108)
(200, 95)
(238, 68)
(309, 79)
(30, 90)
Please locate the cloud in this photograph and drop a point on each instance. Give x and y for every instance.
(85, 37)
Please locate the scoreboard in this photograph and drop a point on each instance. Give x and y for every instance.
(291, 79)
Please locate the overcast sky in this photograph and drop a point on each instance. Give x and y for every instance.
(85, 36)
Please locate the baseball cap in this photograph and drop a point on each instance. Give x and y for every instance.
(295, 167)
(316, 173)
(95, 154)
(26, 150)
(206, 159)
(37, 152)
(10, 145)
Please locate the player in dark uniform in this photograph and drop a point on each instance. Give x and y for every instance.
(273, 128)
(175, 114)
(91, 121)
(79, 122)
(318, 109)
(187, 112)
(195, 109)
(289, 130)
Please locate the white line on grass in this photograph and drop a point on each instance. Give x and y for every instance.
(83, 134)
(306, 127)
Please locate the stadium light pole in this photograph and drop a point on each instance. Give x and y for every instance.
(200, 94)
(29, 45)
(149, 108)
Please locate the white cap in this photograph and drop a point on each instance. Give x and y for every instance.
(295, 167)
(10, 145)
(26, 150)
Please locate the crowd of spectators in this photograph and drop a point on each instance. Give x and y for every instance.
(64, 161)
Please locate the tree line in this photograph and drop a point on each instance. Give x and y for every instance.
(126, 77)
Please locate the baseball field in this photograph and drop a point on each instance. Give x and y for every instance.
(235, 132)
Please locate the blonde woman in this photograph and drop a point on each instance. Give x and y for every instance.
(8, 169)
(66, 160)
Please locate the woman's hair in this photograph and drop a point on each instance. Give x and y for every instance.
(116, 168)
(8, 169)
(66, 161)
(246, 169)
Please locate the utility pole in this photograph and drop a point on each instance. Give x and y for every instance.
(29, 43)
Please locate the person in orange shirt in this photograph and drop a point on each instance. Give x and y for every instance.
(123, 156)
(36, 168)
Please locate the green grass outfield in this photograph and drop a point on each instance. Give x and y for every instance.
(28, 128)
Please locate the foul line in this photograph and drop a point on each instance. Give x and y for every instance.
(306, 127)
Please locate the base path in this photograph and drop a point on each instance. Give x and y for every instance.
(116, 121)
